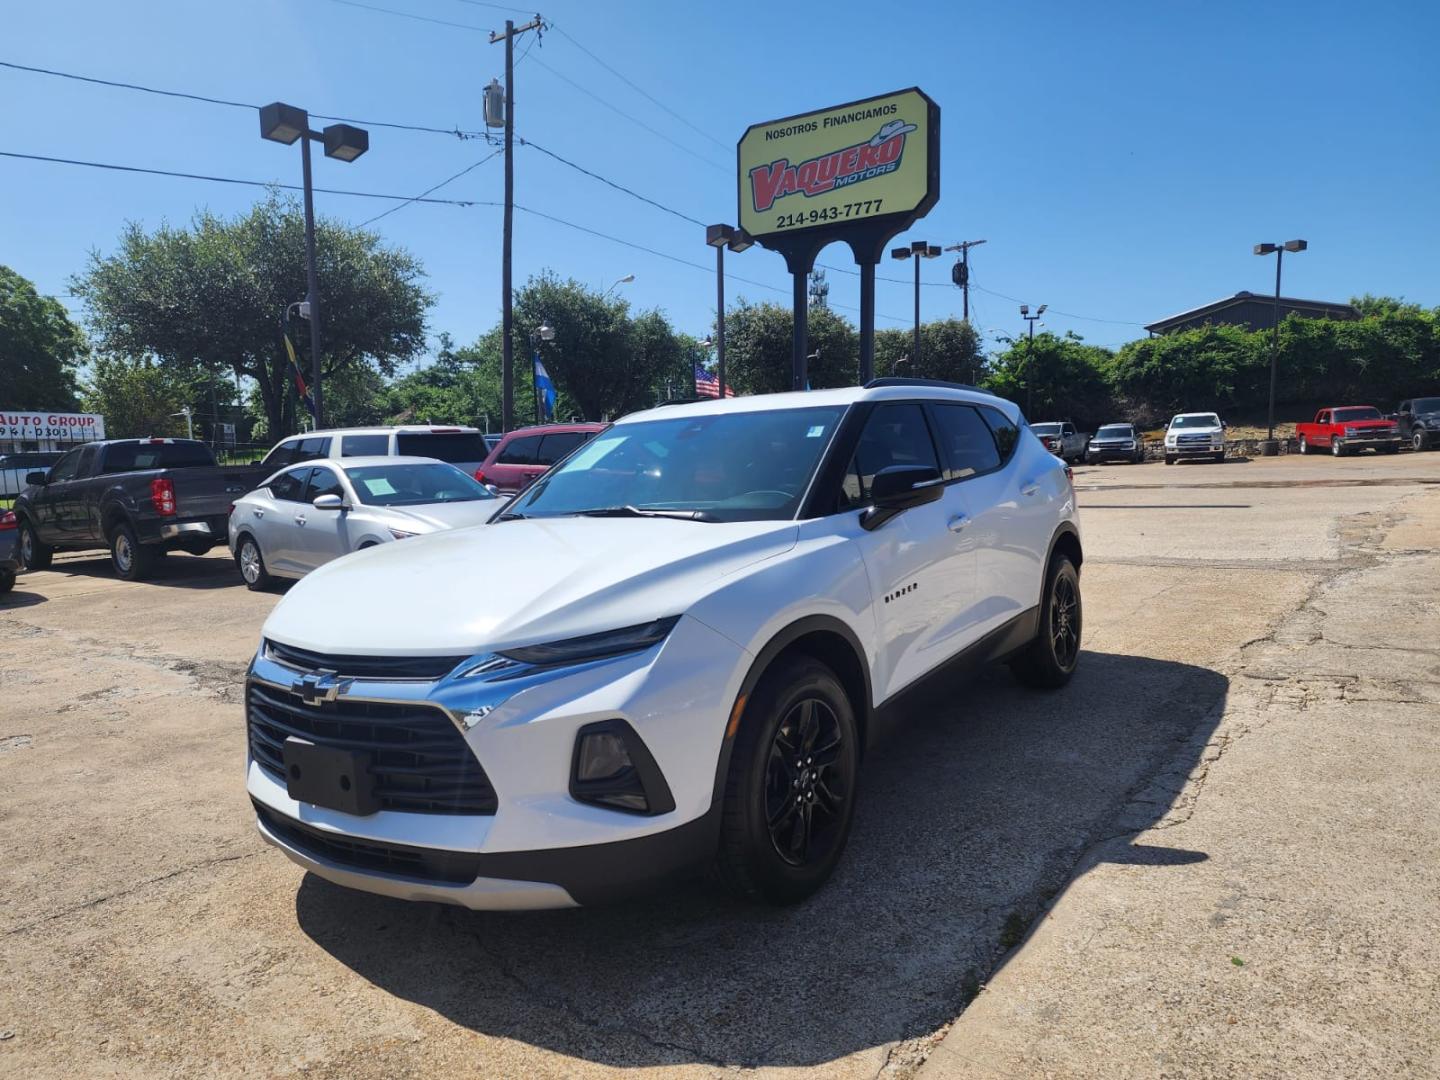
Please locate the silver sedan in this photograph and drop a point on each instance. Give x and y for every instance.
(315, 511)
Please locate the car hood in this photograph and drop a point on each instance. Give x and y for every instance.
(433, 516)
(1189, 430)
(516, 583)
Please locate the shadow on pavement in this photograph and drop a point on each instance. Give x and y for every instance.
(968, 820)
(19, 597)
(176, 570)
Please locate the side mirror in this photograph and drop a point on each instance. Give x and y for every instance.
(899, 488)
(40, 477)
(1392, 416)
(492, 489)
(329, 502)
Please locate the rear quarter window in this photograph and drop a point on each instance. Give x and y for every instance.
(448, 446)
(365, 445)
(522, 451)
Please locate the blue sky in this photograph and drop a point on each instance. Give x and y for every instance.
(1120, 158)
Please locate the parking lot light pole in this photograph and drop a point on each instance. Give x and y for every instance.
(285, 124)
(1271, 447)
(1030, 358)
(721, 237)
(918, 250)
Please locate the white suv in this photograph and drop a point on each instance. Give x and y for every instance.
(672, 651)
(463, 447)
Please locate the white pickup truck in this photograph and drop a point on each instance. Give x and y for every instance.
(1062, 439)
(1195, 435)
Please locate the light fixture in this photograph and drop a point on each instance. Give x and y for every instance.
(344, 142)
(283, 123)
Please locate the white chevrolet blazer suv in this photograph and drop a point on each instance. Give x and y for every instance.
(672, 652)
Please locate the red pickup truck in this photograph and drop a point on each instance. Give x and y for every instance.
(1348, 430)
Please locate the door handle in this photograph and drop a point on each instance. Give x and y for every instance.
(258, 513)
(958, 522)
(299, 520)
(1030, 489)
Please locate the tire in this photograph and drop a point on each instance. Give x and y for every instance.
(1304, 446)
(1051, 657)
(783, 827)
(7, 581)
(251, 565)
(34, 554)
(131, 560)
(1219, 459)
(1418, 440)
(1169, 459)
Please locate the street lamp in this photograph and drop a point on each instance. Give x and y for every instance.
(1270, 447)
(1030, 357)
(543, 332)
(626, 280)
(917, 251)
(721, 237)
(285, 124)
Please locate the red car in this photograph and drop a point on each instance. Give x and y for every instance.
(524, 455)
(1348, 430)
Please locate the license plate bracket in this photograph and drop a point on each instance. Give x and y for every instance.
(330, 777)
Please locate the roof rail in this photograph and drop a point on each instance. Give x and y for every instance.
(892, 381)
(680, 401)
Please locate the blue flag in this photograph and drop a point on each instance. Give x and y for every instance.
(546, 388)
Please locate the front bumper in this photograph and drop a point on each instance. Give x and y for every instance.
(1194, 450)
(541, 848)
(1112, 453)
(1387, 440)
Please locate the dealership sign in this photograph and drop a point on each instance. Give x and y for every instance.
(841, 167)
(36, 425)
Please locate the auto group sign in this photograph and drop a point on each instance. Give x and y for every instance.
(40, 426)
(846, 165)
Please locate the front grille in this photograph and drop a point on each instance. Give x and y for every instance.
(1193, 440)
(421, 864)
(1372, 433)
(428, 668)
(419, 761)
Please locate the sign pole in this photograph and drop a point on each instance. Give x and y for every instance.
(799, 338)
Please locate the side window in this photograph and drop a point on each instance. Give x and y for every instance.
(283, 454)
(522, 451)
(893, 435)
(965, 441)
(323, 482)
(86, 464)
(1323, 418)
(554, 447)
(364, 445)
(312, 448)
(289, 485)
(66, 467)
(1007, 435)
(1067, 429)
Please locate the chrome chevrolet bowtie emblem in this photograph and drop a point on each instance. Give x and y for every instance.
(317, 688)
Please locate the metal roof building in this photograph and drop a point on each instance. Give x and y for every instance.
(1252, 311)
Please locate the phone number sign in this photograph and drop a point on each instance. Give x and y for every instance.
(37, 425)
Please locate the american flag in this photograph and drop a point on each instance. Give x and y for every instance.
(707, 385)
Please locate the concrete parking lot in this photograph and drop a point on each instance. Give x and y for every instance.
(1217, 853)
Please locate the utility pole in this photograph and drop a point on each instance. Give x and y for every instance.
(507, 376)
(961, 272)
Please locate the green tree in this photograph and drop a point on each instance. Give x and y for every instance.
(39, 347)
(136, 397)
(461, 386)
(758, 348)
(211, 297)
(950, 349)
(1055, 378)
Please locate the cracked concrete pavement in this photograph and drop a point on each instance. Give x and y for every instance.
(1242, 768)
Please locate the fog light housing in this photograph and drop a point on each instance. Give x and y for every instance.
(613, 767)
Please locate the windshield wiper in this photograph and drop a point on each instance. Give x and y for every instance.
(642, 511)
(511, 515)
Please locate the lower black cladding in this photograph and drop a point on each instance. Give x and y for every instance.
(400, 860)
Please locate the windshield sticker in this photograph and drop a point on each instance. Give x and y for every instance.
(378, 486)
(816, 430)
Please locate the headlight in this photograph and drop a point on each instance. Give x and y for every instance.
(401, 534)
(1351, 432)
(1169, 440)
(594, 646)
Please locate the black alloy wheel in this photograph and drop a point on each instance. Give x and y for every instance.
(1053, 654)
(1417, 439)
(34, 555)
(791, 785)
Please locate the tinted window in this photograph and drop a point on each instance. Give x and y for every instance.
(1114, 431)
(447, 446)
(965, 441)
(554, 447)
(282, 454)
(1006, 433)
(315, 447)
(87, 461)
(1345, 416)
(289, 485)
(1045, 429)
(410, 485)
(522, 451)
(739, 466)
(138, 456)
(323, 482)
(65, 468)
(1426, 405)
(364, 445)
(894, 435)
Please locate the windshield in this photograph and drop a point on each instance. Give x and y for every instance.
(1203, 420)
(1114, 431)
(455, 446)
(1346, 416)
(1426, 405)
(414, 485)
(739, 466)
(1045, 429)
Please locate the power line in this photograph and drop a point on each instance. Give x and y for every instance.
(497, 7)
(427, 191)
(234, 180)
(454, 132)
(412, 15)
(634, 120)
(639, 90)
(610, 183)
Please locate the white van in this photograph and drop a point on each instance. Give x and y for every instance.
(463, 447)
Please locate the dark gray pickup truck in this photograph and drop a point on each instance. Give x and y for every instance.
(137, 497)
